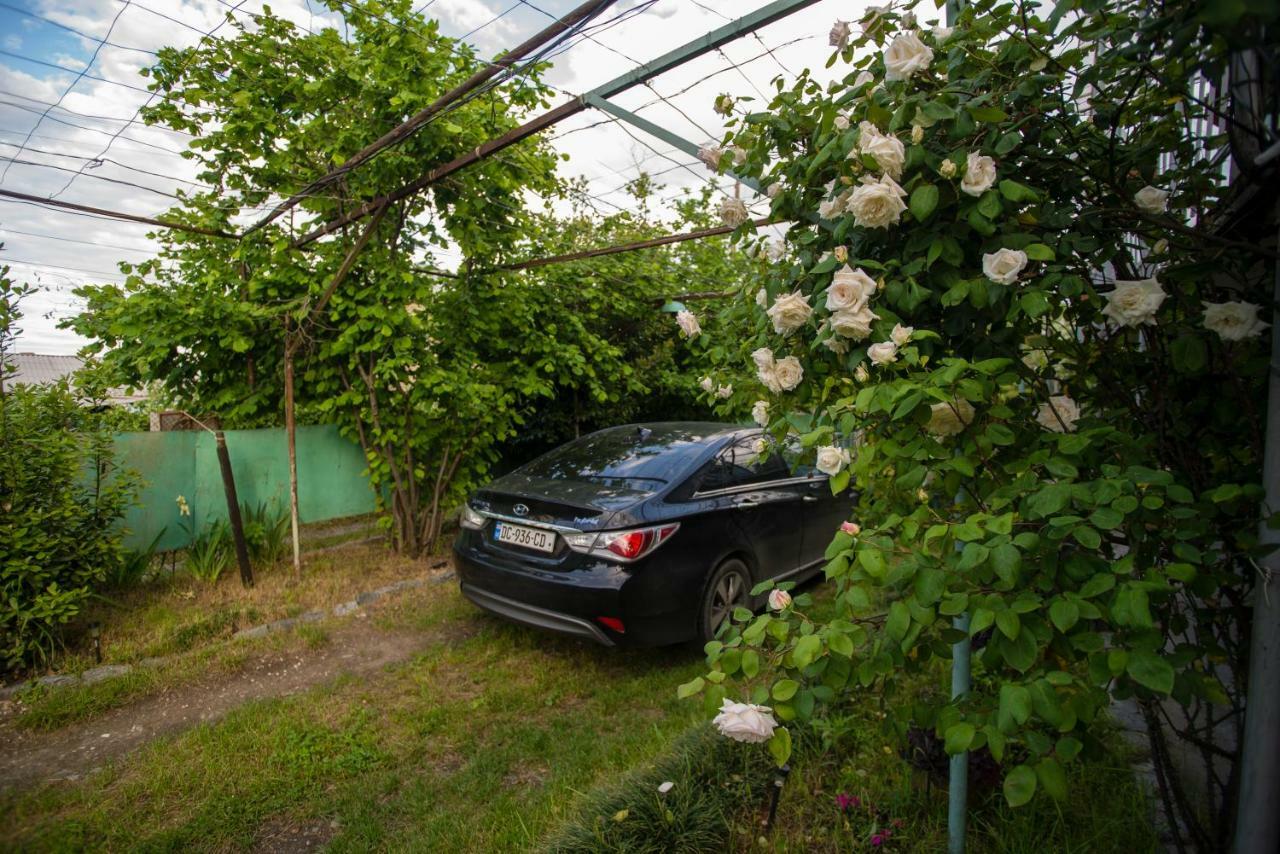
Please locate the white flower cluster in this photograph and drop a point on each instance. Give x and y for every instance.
(777, 375)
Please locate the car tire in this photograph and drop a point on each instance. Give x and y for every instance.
(727, 588)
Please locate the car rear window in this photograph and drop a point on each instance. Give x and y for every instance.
(644, 458)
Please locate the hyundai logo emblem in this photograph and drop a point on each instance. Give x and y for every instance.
(520, 510)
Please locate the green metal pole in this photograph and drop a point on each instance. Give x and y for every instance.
(958, 782)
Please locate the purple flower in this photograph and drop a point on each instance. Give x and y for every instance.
(847, 802)
(877, 841)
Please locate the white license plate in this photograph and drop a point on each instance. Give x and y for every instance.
(529, 538)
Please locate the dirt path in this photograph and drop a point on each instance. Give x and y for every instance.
(72, 752)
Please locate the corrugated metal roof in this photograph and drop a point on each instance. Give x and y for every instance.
(39, 369)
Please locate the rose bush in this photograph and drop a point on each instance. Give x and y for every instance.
(1036, 376)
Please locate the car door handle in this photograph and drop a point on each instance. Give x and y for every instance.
(809, 499)
(745, 503)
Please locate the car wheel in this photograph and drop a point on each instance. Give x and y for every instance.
(729, 587)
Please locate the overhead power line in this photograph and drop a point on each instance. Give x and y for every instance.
(577, 17)
(110, 214)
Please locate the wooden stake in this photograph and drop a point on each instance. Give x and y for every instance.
(291, 432)
(233, 509)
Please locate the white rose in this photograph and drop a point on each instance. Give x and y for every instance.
(863, 78)
(759, 446)
(836, 345)
(889, 152)
(707, 385)
(745, 722)
(724, 105)
(1060, 414)
(1134, 303)
(1152, 200)
(789, 373)
(854, 322)
(979, 174)
(949, 419)
(841, 253)
(776, 250)
(947, 169)
(873, 19)
(905, 56)
(763, 357)
(762, 298)
(841, 122)
(1233, 321)
(877, 204)
(710, 155)
(760, 413)
(724, 392)
(883, 353)
(831, 459)
(779, 600)
(830, 209)
(901, 334)
(789, 312)
(1004, 266)
(941, 34)
(688, 322)
(862, 374)
(849, 288)
(775, 190)
(917, 134)
(733, 212)
(839, 35)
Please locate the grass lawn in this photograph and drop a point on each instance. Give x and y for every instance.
(479, 742)
(490, 737)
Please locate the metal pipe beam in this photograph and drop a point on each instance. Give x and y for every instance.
(722, 35)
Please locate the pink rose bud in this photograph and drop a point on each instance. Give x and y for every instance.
(853, 529)
(779, 600)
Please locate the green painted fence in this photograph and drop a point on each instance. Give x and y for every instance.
(331, 483)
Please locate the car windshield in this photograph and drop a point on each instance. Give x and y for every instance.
(638, 457)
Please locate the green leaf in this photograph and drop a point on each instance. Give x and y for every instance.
(1008, 624)
(780, 746)
(1052, 778)
(690, 688)
(1038, 252)
(1151, 671)
(988, 114)
(806, 650)
(924, 199)
(750, 663)
(898, 621)
(1015, 706)
(1015, 192)
(785, 689)
(1064, 613)
(959, 737)
(1019, 785)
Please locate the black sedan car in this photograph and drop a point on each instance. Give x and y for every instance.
(646, 534)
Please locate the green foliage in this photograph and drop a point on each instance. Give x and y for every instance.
(61, 502)
(433, 376)
(209, 552)
(266, 533)
(1099, 558)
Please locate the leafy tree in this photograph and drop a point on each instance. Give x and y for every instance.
(1048, 349)
(430, 374)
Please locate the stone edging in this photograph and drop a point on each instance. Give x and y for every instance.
(342, 609)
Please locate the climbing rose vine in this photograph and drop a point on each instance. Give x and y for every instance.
(1003, 313)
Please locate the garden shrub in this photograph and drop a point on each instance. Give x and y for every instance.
(61, 502)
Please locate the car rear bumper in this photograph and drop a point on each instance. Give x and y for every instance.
(572, 600)
(531, 615)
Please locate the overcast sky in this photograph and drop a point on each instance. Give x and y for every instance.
(40, 61)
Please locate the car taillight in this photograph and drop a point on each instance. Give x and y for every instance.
(625, 545)
(633, 545)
